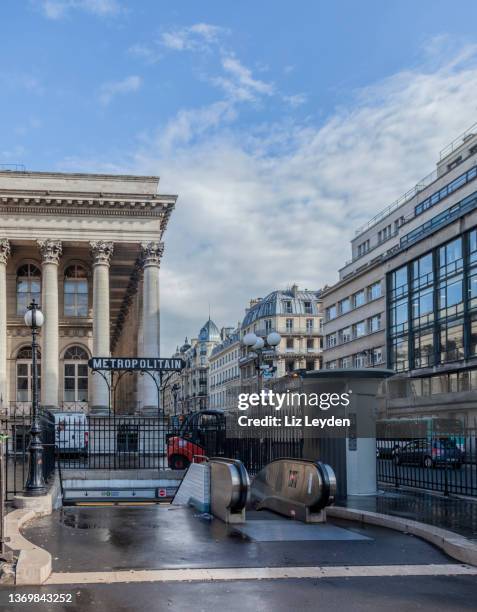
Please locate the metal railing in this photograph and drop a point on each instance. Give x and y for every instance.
(443, 463)
(16, 427)
(111, 442)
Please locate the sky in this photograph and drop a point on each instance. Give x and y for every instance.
(281, 126)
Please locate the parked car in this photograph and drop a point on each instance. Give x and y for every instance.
(71, 433)
(386, 449)
(430, 453)
(202, 434)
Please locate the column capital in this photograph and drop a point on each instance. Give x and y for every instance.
(152, 253)
(4, 250)
(101, 250)
(50, 250)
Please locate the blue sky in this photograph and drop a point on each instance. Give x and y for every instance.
(282, 126)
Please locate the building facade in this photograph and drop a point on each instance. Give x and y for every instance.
(297, 316)
(224, 372)
(87, 248)
(188, 391)
(421, 253)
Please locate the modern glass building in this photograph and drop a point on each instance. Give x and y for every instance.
(420, 253)
(432, 306)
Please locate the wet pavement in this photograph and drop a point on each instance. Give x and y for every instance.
(407, 594)
(456, 514)
(158, 537)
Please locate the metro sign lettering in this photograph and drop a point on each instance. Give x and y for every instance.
(136, 363)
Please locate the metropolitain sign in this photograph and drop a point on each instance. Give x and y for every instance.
(136, 363)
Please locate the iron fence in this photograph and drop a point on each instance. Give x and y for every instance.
(16, 428)
(443, 463)
(110, 442)
(256, 453)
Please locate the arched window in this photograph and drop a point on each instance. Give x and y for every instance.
(76, 375)
(28, 286)
(76, 291)
(24, 374)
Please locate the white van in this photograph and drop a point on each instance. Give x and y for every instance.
(71, 432)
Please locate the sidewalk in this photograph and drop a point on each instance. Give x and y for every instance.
(456, 514)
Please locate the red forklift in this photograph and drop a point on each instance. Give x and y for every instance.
(202, 434)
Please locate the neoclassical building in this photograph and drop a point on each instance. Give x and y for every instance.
(88, 249)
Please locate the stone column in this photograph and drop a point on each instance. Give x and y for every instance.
(152, 253)
(101, 252)
(51, 252)
(4, 253)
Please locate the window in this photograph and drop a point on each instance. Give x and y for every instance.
(473, 247)
(473, 339)
(28, 287)
(290, 344)
(289, 325)
(346, 334)
(359, 360)
(399, 282)
(360, 329)
(363, 248)
(309, 325)
(377, 355)
(344, 305)
(75, 375)
(24, 374)
(331, 340)
(385, 233)
(450, 296)
(400, 354)
(76, 292)
(347, 362)
(424, 349)
(288, 307)
(331, 365)
(268, 326)
(375, 323)
(423, 307)
(359, 298)
(310, 344)
(308, 308)
(331, 312)
(374, 291)
(310, 365)
(450, 258)
(452, 342)
(399, 316)
(446, 190)
(422, 272)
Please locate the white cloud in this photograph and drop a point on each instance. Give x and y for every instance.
(239, 84)
(261, 207)
(197, 37)
(114, 88)
(296, 100)
(57, 9)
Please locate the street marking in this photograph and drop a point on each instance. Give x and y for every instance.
(260, 573)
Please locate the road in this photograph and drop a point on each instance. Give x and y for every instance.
(184, 560)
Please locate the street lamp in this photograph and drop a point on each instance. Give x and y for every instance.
(256, 346)
(35, 484)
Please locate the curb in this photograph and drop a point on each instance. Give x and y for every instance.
(34, 563)
(453, 544)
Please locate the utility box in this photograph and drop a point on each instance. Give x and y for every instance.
(351, 452)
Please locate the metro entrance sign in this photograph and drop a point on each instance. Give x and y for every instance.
(143, 364)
